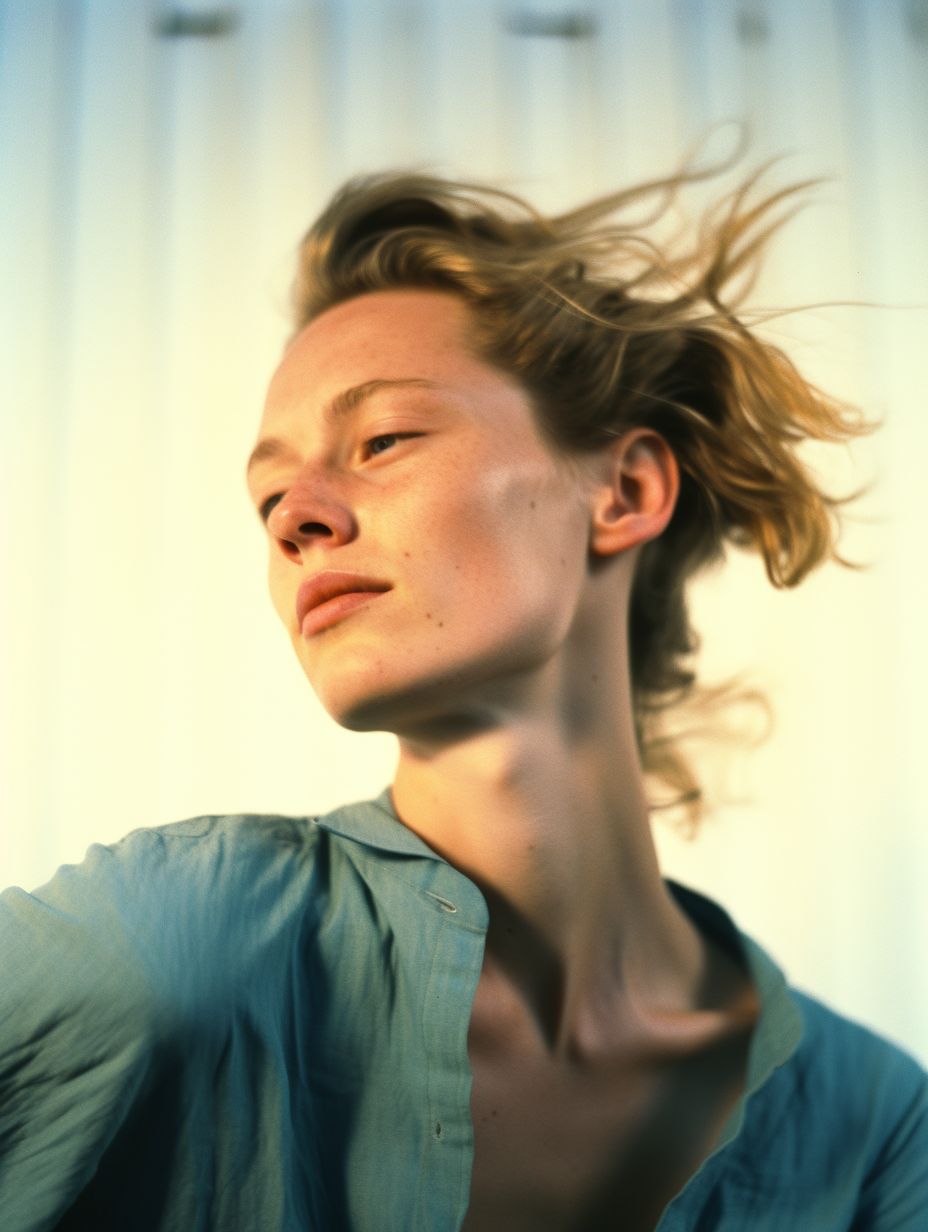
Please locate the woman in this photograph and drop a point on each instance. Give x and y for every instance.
(496, 448)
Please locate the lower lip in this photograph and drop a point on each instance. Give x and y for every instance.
(333, 610)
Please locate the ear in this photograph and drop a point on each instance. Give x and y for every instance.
(636, 493)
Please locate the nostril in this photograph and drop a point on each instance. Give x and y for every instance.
(314, 528)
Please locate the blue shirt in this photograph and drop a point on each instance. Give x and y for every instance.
(260, 1023)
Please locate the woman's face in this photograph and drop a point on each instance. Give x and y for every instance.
(406, 460)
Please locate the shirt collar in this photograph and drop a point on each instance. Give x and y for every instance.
(778, 1031)
(374, 823)
(779, 1028)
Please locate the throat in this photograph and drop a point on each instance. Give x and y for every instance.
(577, 905)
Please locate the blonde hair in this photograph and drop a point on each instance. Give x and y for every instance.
(607, 329)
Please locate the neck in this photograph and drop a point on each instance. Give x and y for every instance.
(552, 824)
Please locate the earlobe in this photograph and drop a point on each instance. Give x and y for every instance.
(637, 498)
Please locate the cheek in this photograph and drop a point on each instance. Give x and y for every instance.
(521, 535)
(533, 514)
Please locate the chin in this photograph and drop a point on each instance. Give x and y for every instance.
(383, 710)
(368, 699)
(365, 716)
(360, 700)
(449, 704)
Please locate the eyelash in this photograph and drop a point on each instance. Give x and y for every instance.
(385, 436)
(265, 512)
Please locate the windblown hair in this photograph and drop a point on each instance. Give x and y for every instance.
(607, 329)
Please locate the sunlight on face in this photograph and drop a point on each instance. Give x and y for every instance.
(401, 457)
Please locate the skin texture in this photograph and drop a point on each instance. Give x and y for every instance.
(450, 517)
(498, 658)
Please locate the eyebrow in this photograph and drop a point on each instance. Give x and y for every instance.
(339, 407)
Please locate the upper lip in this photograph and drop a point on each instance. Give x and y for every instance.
(327, 585)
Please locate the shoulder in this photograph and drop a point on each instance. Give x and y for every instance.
(199, 846)
(846, 1115)
(828, 1070)
(872, 1097)
(115, 979)
(835, 1125)
(874, 1089)
(210, 851)
(126, 979)
(161, 900)
(847, 1070)
(839, 1052)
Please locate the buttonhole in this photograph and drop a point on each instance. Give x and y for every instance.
(442, 902)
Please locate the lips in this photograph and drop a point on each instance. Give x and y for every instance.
(324, 587)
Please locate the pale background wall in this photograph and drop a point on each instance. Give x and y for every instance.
(158, 165)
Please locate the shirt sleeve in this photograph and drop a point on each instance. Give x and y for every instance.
(78, 1038)
(894, 1197)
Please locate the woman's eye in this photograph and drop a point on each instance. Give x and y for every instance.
(379, 444)
(373, 446)
(265, 509)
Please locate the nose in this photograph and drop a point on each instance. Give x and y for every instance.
(308, 517)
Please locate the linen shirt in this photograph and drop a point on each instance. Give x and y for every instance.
(259, 1023)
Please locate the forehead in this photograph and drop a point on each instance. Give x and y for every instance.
(384, 335)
